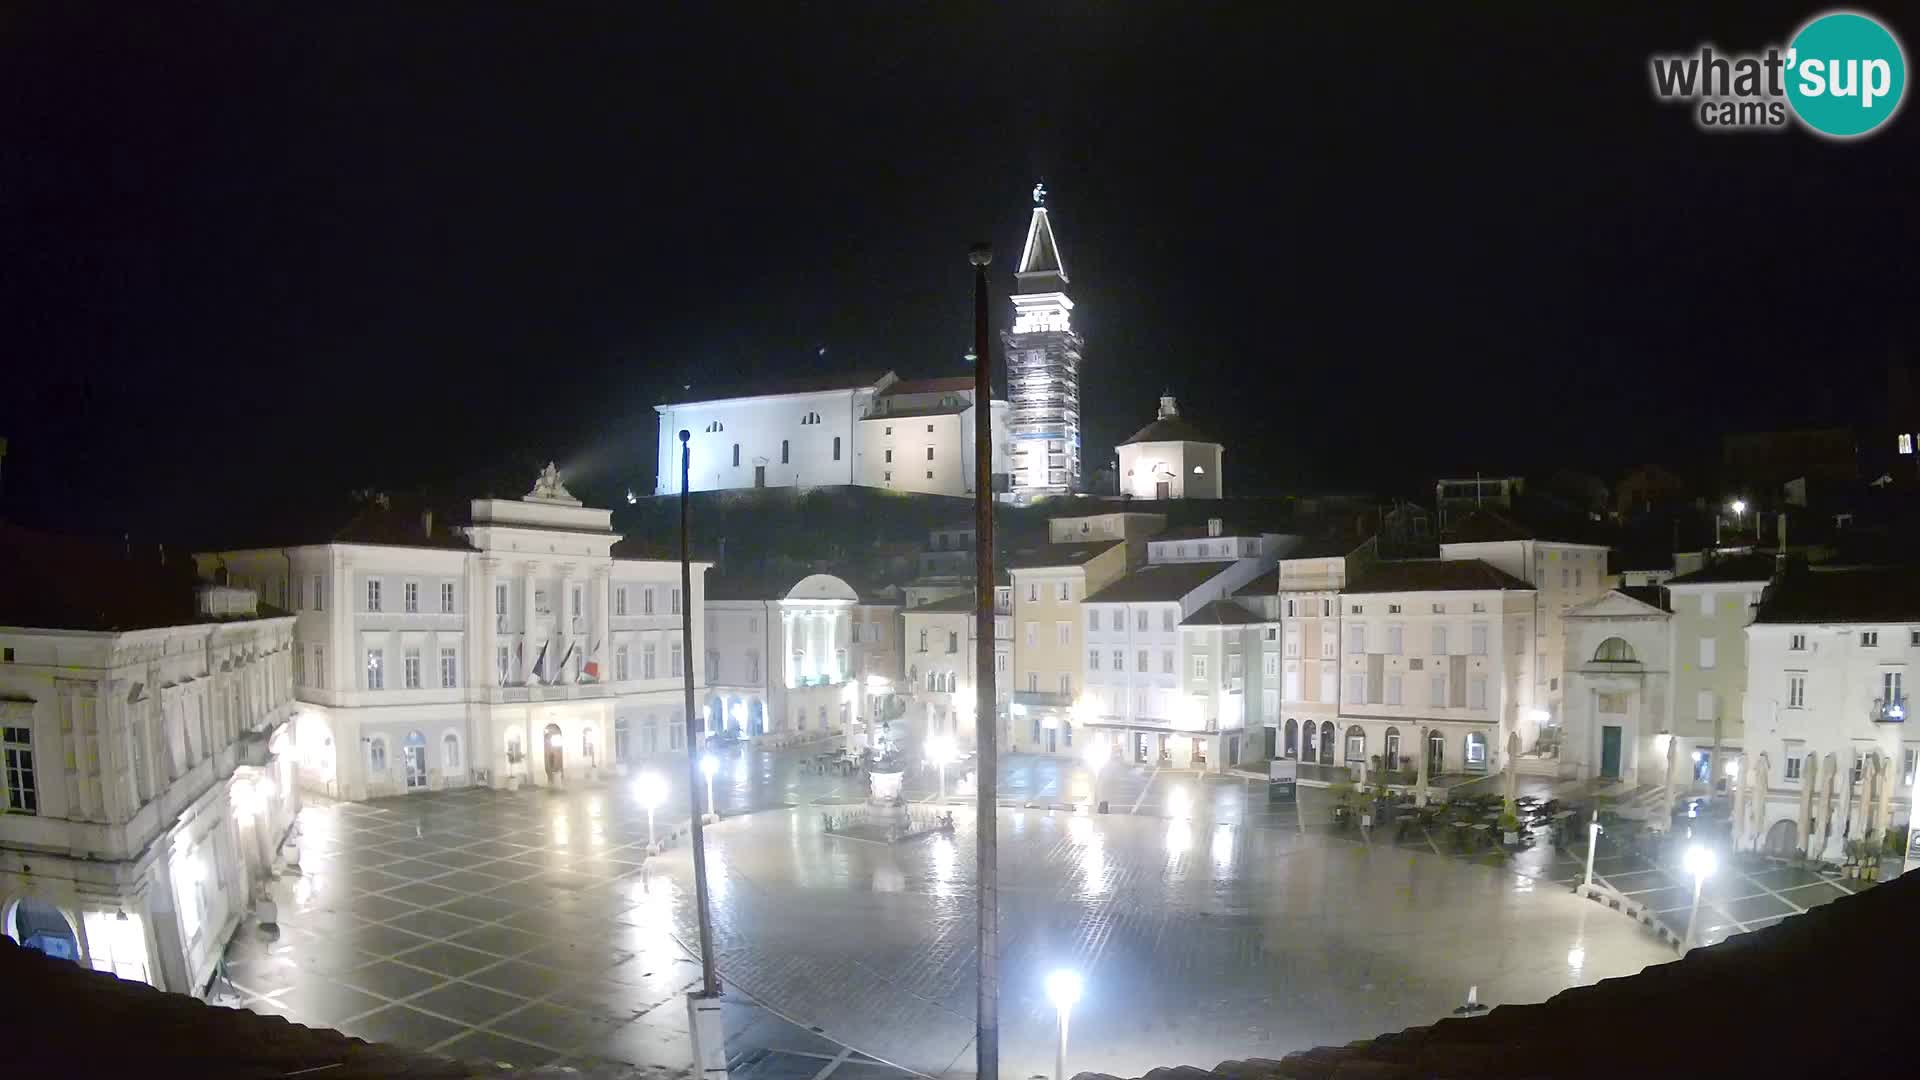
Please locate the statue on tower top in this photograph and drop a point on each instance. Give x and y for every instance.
(1040, 193)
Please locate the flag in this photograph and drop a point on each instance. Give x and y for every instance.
(593, 665)
(506, 672)
(539, 672)
(562, 667)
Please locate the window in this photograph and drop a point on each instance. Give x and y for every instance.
(889, 457)
(410, 593)
(1703, 706)
(621, 663)
(446, 597)
(1093, 620)
(1118, 621)
(923, 641)
(1907, 761)
(376, 677)
(1166, 661)
(23, 790)
(573, 602)
(1709, 650)
(1142, 658)
(1439, 641)
(1439, 609)
(673, 607)
(674, 661)
(1140, 620)
(1566, 576)
(1166, 620)
(1479, 608)
(1293, 643)
(500, 600)
(736, 455)
(1913, 637)
(373, 594)
(1476, 692)
(1890, 686)
(449, 668)
(1354, 609)
(1200, 667)
(1063, 633)
(1437, 691)
(1393, 689)
(410, 669)
(1480, 641)
(929, 450)
(1869, 639)
(450, 751)
(1289, 609)
(1393, 609)
(1269, 664)
(1477, 750)
(377, 755)
(620, 600)
(753, 665)
(857, 626)
(1793, 766)
(1066, 685)
(1033, 592)
(1576, 577)
(649, 666)
(1356, 689)
(1356, 639)
(1326, 609)
(1063, 591)
(319, 593)
(1093, 659)
(1393, 640)
(953, 642)
(1033, 633)
(1796, 691)
(836, 448)
(784, 457)
(1290, 683)
(1119, 660)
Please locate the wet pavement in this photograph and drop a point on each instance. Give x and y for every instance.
(531, 928)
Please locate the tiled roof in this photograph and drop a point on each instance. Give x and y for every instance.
(52, 582)
(965, 602)
(799, 384)
(1059, 554)
(1734, 998)
(1650, 595)
(1221, 613)
(1172, 429)
(954, 385)
(1433, 575)
(1860, 595)
(1737, 568)
(1162, 581)
(1267, 584)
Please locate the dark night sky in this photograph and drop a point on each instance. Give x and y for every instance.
(251, 258)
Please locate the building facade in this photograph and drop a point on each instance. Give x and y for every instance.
(919, 436)
(1711, 609)
(519, 647)
(1049, 584)
(1309, 585)
(1619, 679)
(148, 781)
(1170, 459)
(788, 661)
(1043, 367)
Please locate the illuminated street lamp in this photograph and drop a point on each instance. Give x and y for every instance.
(708, 766)
(942, 752)
(1063, 989)
(1699, 862)
(1097, 752)
(1593, 842)
(651, 789)
(1739, 508)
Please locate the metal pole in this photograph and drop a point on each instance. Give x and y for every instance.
(1060, 1057)
(986, 1036)
(651, 840)
(710, 978)
(1593, 841)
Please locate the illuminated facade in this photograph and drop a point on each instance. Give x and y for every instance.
(811, 659)
(1043, 368)
(1169, 459)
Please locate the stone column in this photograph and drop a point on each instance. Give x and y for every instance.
(529, 643)
(563, 618)
(486, 628)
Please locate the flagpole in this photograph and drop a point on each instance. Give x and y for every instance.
(710, 979)
(986, 1034)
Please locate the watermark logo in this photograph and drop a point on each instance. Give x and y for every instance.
(1842, 76)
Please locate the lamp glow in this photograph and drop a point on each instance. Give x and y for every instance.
(1063, 989)
(709, 765)
(1739, 507)
(1699, 862)
(651, 789)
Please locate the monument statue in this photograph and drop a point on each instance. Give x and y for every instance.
(549, 488)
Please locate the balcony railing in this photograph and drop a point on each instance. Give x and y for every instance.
(1890, 710)
(1042, 699)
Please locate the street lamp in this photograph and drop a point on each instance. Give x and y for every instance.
(1097, 752)
(1593, 842)
(1699, 862)
(1063, 989)
(1739, 508)
(651, 789)
(941, 752)
(708, 766)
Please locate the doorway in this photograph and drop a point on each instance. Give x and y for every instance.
(1610, 751)
(1273, 740)
(556, 753)
(413, 755)
(759, 476)
(1052, 739)
(38, 925)
(1162, 490)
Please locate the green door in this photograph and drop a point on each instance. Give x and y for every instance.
(1610, 752)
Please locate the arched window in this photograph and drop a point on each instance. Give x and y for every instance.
(1292, 748)
(1614, 651)
(450, 753)
(377, 755)
(1391, 758)
(716, 426)
(1436, 753)
(1309, 741)
(1477, 751)
(1356, 743)
(1327, 739)
(621, 738)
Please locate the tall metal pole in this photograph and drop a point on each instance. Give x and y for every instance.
(710, 978)
(986, 1037)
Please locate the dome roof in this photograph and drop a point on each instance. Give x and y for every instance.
(822, 587)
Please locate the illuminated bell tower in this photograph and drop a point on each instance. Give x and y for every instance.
(1043, 367)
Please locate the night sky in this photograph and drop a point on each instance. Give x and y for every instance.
(251, 259)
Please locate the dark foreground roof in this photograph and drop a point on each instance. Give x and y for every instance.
(1651, 595)
(1737, 568)
(1221, 613)
(1160, 582)
(1059, 554)
(1744, 1005)
(1433, 575)
(1875, 594)
(50, 582)
(1267, 584)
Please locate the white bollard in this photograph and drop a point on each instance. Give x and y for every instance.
(708, 1031)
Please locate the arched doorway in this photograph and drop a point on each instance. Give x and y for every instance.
(40, 926)
(1783, 838)
(1293, 739)
(756, 717)
(715, 707)
(1391, 757)
(1327, 740)
(1356, 749)
(413, 754)
(1476, 752)
(556, 752)
(1436, 753)
(1309, 739)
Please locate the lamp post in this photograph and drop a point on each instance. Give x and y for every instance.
(1593, 842)
(1063, 989)
(651, 789)
(986, 1012)
(941, 752)
(1097, 752)
(1699, 862)
(705, 1022)
(708, 766)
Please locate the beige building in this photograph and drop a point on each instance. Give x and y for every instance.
(1308, 586)
(1619, 700)
(1712, 608)
(1049, 586)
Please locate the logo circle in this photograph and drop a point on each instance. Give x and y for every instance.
(1847, 74)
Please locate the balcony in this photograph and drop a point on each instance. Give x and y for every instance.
(1042, 699)
(1889, 710)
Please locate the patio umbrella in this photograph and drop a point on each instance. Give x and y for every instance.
(1513, 780)
(1420, 784)
(1739, 819)
(1885, 815)
(1665, 820)
(1823, 806)
(1809, 777)
(1757, 801)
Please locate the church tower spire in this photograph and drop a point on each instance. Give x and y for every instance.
(1043, 366)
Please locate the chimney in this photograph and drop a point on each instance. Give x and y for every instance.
(1780, 559)
(1168, 410)
(426, 523)
(1214, 526)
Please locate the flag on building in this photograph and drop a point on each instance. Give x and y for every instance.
(539, 672)
(571, 645)
(593, 662)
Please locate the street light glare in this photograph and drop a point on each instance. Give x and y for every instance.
(1097, 752)
(651, 789)
(1739, 506)
(941, 750)
(1699, 862)
(1063, 989)
(709, 765)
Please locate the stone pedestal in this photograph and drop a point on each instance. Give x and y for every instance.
(883, 798)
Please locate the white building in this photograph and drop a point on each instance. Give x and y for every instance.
(517, 648)
(942, 646)
(1828, 753)
(1043, 367)
(1170, 459)
(147, 783)
(869, 429)
(1308, 584)
(786, 660)
(1433, 647)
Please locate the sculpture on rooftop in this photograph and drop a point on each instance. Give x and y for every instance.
(549, 487)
